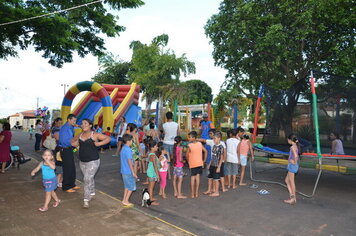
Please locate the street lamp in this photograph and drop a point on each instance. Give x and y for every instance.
(64, 87)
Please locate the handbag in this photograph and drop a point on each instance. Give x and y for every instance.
(50, 143)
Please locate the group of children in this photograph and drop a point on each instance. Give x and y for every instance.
(223, 161)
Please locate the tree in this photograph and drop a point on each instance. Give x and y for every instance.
(59, 35)
(199, 92)
(153, 66)
(112, 71)
(277, 43)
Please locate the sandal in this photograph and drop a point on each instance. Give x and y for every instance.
(57, 203)
(43, 209)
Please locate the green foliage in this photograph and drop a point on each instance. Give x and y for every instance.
(3, 120)
(199, 92)
(58, 36)
(154, 66)
(278, 42)
(112, 71)
(306, 132)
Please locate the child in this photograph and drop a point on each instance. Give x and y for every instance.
(163, 161)
(245, 147)
(108, 133)
(177, 160)
(196, 162)
(127, 170)
(30, 131)
(292, 168)
(216, 167)
(336, 144)
(49, 179)
(152, 170)
(231, 165)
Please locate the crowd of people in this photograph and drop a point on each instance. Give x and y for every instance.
(144, 151)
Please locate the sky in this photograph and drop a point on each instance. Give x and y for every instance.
(28, 78)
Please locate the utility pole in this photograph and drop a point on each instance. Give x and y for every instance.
(64, 88)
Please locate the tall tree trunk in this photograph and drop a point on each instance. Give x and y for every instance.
(149, 101)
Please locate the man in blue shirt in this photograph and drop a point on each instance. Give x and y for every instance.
(66, 133)
(127, 169)
(205, 126)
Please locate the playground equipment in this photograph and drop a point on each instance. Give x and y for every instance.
(104, 104)
(319, 165)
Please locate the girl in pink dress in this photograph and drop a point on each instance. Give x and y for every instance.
(5, 140)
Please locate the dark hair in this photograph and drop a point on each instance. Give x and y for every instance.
(218, 134)
(246, 136)
(193, 134)
(71, 116)
(89, 121)
(38, 121)
(295, 139)
(212, 131)
(56, 120)
(31, 126)
(240, 129)
(126, 138)
(177, 140)
(152, 125)
(123, 118)
(140, 128)
(6, 126)
(131, 127)
(108, 128)
(337, 135)
(234, 132)
(229, 133)
(169, 115)
(95, 126)
(151, 144)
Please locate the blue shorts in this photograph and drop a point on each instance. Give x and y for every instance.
(243, 160)
(129, 182)
(293, 168)
(50, 184)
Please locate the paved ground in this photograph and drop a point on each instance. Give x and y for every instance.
(237, 212)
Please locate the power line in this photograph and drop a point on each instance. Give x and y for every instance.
(51, 13)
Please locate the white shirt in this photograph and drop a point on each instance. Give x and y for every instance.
(232, 144)
(38, 129)
(170, 132)
(211, 143)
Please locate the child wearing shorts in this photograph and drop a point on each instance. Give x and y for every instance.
(245, 147)
(177, 160)
(49, 179)
(127, 169)
(152, 169)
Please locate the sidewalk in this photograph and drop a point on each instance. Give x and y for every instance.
(21, 196)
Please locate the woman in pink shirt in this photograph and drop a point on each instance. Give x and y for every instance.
(177, 160)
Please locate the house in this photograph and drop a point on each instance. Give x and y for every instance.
(23, 120)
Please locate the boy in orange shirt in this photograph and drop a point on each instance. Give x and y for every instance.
(196, 161)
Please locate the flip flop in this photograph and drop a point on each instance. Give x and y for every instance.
(43, 209)
(127, 206)
(56, 203)
(263, 192)
(253, 186)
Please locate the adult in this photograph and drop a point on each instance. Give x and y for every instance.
(205, 125)
(66, 134)
(170, 130)
(336, 144)
(38, 134)
(88, 142)
(5, 140)
(56, 126)
(120, 134)
(153, 133)
(152, 120)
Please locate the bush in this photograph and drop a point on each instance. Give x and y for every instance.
(306, 132)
